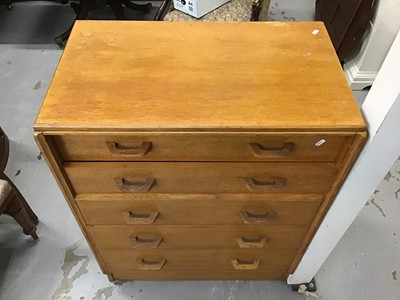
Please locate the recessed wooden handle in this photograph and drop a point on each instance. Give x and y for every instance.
(256, 217)
(264, 152)
(272, 184)
(133, 218)
(124, 185)
(146, 240)
(151, 264)
(252, 242)
(245, 264)
(117, 149)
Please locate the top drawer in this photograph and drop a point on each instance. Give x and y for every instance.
(201, 147)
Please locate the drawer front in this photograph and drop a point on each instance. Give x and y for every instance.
(197, 212)
(199, 260)
(179, 177)
(199, 275)
(201, 147)
(197, 237)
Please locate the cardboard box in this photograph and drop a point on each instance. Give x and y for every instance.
(198, 8)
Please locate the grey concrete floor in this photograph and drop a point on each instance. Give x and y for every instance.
(60, 264)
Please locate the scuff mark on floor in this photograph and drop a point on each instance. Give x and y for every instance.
(18, 172)
(38, 85)
(396, 194)
(9, 62)
(39, 157)
(107, 292)
(378, 207)
(70, 261)
(289, 18)
(388, 176)
(394, 275)
(213, 290)
(377, 191)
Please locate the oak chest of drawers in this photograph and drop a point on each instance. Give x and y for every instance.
(199, 151)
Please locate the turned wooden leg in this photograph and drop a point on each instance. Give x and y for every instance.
(21, 198)
(17, 210)
(116, 6)
(134, 6)
(83, 11)
(162, 11)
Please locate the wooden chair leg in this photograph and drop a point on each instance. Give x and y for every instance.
(118, 10)
(162, 11)
(134, 6)
(17, 210)
(22, 200)
(82, 14)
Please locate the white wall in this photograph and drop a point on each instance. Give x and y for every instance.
(362, 68)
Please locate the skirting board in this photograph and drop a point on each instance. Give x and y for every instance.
(358, 80)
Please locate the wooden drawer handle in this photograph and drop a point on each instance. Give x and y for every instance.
(250, 217)
(117, 149)
(146, 240)
(273, 184)
(151, 264)
(124, 185)
(133, 218)
(260, 151)
(245, 264)
(252, 242)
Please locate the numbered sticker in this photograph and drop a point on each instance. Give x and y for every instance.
(320, 142)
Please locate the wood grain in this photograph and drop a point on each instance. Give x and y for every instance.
(187, 141)
(198, 76)
(204, 177)
(198, 275)
(197, 237)
(200, 260)
(201, 147)
(186, 211)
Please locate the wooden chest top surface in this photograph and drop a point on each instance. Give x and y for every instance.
(125, 75)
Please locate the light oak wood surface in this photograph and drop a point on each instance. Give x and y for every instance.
(198, 275)
(204, 177)
(199, 150)
(188, 210)
(202, 147)
(202, 260)
(197, 237)
(196, 76)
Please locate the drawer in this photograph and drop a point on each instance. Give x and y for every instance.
(198, 210)
(199, 275)
(201, 147)
(200, 260)
(180, 177)
(197, 237)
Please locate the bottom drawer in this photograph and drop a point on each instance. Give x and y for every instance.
(198, 275)
(238, 260)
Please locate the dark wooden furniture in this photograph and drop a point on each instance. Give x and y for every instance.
(7, 3)
(218, 163)
(346, 22)
(11, 200)
(82, 11)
